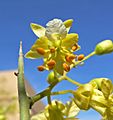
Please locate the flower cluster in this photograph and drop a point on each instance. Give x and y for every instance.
(55, 45)
(98, 94)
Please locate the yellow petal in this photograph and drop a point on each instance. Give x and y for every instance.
(70, 40)
(68, 24)
(32, 55)
(41, 42)
(38, 29)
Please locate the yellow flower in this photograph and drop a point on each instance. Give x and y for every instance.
(102, 98)
(54, 44)
(54, 111)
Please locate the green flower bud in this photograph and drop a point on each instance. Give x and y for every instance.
(104, 47)
(51, 78)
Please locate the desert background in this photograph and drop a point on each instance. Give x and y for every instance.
(9, 109)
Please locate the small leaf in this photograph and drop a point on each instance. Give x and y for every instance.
(71, 110)
(38, 29)
(40, 116)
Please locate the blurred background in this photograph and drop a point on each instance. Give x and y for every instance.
(93, 21)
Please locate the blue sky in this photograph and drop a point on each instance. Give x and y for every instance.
(93, 21)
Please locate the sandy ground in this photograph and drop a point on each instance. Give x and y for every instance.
(9, 95)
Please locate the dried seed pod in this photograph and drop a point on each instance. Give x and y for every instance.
(74, 47)
(51, 63)
(69, 58)
(80, 57)
(40, 51)
(41, 68)
(66, 67)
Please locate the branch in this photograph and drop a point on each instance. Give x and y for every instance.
(24, 102)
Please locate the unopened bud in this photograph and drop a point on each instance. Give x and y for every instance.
(80, 57)
(51, 78)
(66, 67)
(40, 51)
(41, 68)
(104, 47)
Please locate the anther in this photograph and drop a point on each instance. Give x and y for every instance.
(81, 57)
(41, 68)
(51, 63)
(69, 58)
(74, 47)
(66, 67)
(40, 51)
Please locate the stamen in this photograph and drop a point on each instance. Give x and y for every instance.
(81, 57)
(69, 58)
(41, 68)
(74, 47)
(51, 63)
(66, 67)
(40, 51)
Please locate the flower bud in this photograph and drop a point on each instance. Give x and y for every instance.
(41, 68)
(40, 51)
(51, 78)
(66, 67)
(80, 57)
(104, 47)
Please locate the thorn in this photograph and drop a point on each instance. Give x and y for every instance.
(20, 50)
(16, 73)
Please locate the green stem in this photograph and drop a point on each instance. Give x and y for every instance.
(72, 81)
(46, 92)
(62, 92)
(49, 99)
(24, 102)
(87, 57)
